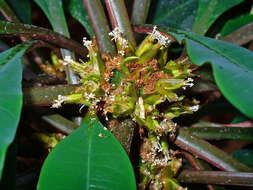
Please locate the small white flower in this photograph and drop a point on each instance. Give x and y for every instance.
(67, 60)
(117, 35)
(87, 43)
(163, 40)
(194, 108)
(188, 82)
(122, 52)
(57, 103)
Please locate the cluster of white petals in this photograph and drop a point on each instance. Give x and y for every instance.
(58, 103)
(116, 34)
(163, 40)
(87, 43)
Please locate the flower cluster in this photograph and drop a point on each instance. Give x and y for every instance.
(163, 40)
(134, 85)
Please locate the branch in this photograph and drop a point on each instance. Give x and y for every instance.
(119, 18)
(241, 36)
(208, 152)
(61, 123)
(7, 12)
(41, 34)
(44, 96)
(100, 26)
(237, 133)
(140, 11)
(216, 177)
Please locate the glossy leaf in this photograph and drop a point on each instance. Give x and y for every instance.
(232, 66)
(89, 158)
(235, 24)
(10, 96)
(209, 11)
(77, 10)
(54, 12)
(245, 156)
(23, 9)
(174, 13)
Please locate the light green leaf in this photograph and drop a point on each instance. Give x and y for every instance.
(209, 11)
(232, 66)
(234, 24)
(10, 96)
(77, 10)
(174, 13)
(89, 158)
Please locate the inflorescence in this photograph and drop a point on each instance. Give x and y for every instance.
(133, 84)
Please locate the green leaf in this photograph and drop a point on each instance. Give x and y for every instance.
(245, 156)
(232, 66)
(89, 158)
(77, 10)
(209, 11)
(10, 96)
(174, 13)
(23, 9)
(239, 118)
(236, 23)
(55, 14)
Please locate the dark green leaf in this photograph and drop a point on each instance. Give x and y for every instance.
(219, 132)
(209, 11)
(234, 24)
(89, 158)
(77, 10)
(174, 13)
(232, 66)
(9, 173)
(245, 156)
(239, 118)
(54, 12)
(10, 96)
(23, 9)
